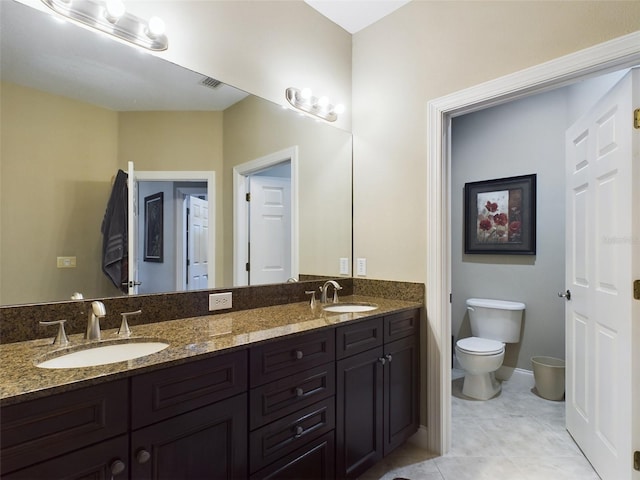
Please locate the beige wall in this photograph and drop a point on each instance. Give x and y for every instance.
(57, 160)
(176, 141)
(255, 128)
(424, 50)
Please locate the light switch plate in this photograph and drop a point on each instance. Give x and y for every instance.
(66, 262)
(344, 266)
(361, 266)
(220, 301)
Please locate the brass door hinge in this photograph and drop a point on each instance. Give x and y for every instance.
(636, 118)
(636, 289)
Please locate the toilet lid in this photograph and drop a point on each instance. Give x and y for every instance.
(480, 346)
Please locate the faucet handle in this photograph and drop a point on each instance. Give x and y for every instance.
(61, 338)
(336, 287)
(124, 329)
(312, 303)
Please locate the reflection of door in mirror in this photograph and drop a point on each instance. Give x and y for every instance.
(188, 241)
(266, 219)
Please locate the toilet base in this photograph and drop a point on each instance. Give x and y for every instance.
(481, 387)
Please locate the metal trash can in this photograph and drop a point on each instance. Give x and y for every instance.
(548, 373)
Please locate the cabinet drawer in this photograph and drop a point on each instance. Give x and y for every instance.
(281, 397)
(314, 461)
(171, 391)
(286, 357)
(283, 436)
(357, 338)
(400, 325)
(44, 428)
(97, 461)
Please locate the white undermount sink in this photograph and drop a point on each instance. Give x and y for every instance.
(354, 307)
(104, 354)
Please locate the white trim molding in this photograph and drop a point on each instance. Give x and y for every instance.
(616, 54)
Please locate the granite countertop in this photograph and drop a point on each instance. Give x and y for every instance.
(208, 335)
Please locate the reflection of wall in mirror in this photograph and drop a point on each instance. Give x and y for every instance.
(58, 156)
(324, 154)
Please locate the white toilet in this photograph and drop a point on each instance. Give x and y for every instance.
(493, 323)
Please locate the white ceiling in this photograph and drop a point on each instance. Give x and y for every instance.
(354, 15)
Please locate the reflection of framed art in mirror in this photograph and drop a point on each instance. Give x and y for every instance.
(153, 227)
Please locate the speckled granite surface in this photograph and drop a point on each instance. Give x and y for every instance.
(188, 337)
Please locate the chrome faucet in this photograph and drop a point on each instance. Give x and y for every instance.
(325, 287)
(97, 312)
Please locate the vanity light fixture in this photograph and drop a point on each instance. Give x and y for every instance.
(111, 17)
(318, 107)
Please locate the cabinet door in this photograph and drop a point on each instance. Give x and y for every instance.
(359, 397)
(106, 460)
(315, 461)
(210, 442)
(401, 381)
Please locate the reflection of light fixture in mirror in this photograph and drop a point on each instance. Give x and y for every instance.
(111, 17)
(318, 107)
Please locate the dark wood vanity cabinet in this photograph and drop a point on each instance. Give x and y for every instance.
(320, 405)
(377, 390)
(292, 408)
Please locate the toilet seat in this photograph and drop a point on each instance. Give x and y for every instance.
(480, 346)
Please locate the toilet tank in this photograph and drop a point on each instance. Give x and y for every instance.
(495, 319)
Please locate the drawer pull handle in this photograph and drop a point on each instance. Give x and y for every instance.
(299, 431)
(382, 360)
(143, 456)
(299, 355)
(389, 357)
(117, 467)
(299, 392)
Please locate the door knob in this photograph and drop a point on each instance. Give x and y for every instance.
(566, 294)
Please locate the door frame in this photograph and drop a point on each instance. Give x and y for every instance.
(616, 54)
(190, 176)
(240, 213)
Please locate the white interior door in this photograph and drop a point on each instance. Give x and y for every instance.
(599, 276)
(132, 228)
(197, 244)
(269, 230)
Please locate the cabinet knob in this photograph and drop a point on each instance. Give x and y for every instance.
(299, 355)
(117, 467)
(299, 431)
(388, 357)
(299, 392)
(142, 456)
(382, 360)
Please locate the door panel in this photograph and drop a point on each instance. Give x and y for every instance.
(197, 244)
(599, 320)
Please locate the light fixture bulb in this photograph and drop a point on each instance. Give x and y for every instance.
(114, 9)
(339, 109)
(306, 93)
(156, 27)
(323, 102)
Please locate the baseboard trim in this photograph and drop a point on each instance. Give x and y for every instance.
(420, 438)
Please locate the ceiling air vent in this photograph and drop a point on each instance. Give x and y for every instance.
(210, 82)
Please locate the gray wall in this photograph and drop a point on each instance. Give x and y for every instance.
(519, 138)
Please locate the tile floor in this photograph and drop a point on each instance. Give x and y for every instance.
(514, 436)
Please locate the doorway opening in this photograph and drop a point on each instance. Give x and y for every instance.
(265, 219)
(617, 54)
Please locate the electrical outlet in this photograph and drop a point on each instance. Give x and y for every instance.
(344, 266)
(220, 301)
(361, 266)
(66, 262)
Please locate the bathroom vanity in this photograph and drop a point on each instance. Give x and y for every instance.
(274, 392)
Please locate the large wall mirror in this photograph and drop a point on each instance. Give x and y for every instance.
(77, 106)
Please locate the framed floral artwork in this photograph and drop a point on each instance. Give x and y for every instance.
(500, 216)
(153, 227)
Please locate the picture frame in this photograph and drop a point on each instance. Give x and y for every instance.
(500, 216)
(154, 228)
